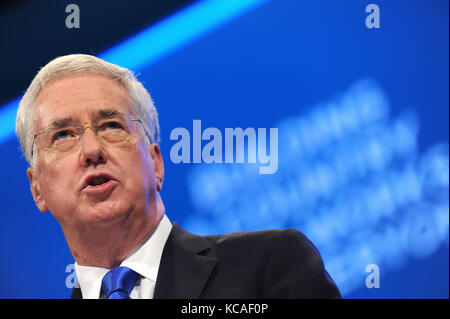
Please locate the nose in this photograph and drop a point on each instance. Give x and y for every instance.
(92, 151)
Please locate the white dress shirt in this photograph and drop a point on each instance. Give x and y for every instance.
(144, 260)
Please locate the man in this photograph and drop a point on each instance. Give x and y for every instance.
(90, 133)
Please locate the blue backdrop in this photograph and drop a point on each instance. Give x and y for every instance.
(362, 119)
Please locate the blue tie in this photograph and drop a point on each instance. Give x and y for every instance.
(118, 283)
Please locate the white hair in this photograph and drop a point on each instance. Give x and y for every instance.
(82, 64)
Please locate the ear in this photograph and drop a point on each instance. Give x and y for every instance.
(158, 164)
(36, 189)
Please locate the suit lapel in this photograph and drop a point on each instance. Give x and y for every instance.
(185, 267)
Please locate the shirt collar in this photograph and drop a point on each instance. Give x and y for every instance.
(144, 260)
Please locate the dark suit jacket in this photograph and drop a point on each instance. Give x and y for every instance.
(260, 264)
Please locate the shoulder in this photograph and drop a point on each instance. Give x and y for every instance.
(279, 263)
(277, 247)
(290, 243)
(264, 239)
(290, 264)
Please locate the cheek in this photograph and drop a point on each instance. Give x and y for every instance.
(146, 170)
(128, 145)
(134, 153)
(139, 188)
(56, 185)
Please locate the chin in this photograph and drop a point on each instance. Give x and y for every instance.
(105, 214)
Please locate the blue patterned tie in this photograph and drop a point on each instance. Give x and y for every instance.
(118, 283)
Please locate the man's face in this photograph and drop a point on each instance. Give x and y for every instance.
(94, 183)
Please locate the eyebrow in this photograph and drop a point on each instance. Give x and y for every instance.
(60, 123)
(110, 113)
(102, 114)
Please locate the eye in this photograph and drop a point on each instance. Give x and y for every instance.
(112, 125)
(63, 134)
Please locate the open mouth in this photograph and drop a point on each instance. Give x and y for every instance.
(96, 181)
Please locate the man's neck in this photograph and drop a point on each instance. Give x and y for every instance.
(107, 247)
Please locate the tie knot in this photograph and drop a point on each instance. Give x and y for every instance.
(118, 283)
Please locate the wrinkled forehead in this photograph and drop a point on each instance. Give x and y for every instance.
(82, 98)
